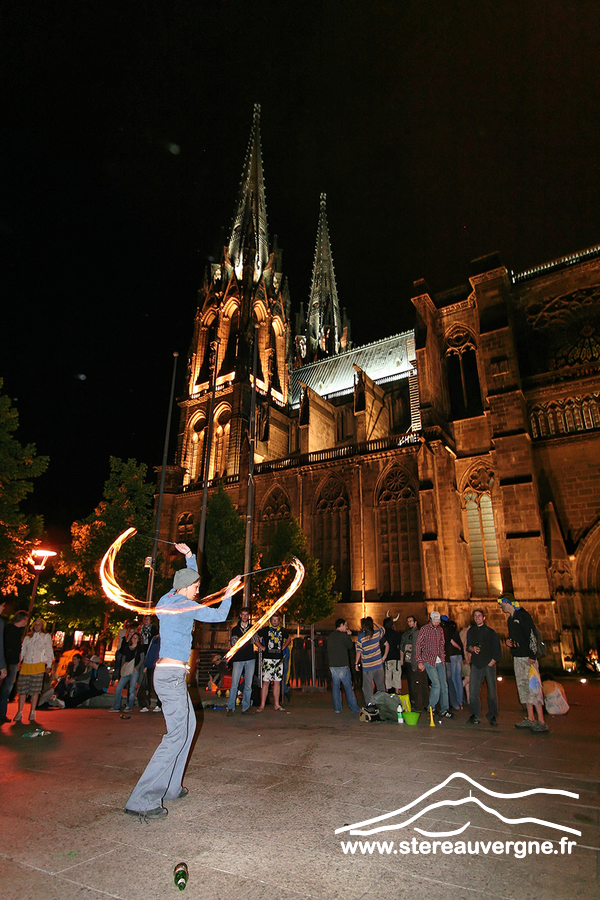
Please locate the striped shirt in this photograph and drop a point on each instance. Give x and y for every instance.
(369, 648)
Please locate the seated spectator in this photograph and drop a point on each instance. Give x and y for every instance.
(94, 682)
(76, 670)
(218, 669)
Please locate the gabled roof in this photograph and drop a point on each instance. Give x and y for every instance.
(386, 360)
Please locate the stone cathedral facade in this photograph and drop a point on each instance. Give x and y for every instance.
(432, 468)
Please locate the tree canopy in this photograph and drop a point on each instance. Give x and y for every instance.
(19, 465)
(127, 502)
(315, 600)
(225, 539)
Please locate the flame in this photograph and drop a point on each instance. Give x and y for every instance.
(114, 592)
(296, 582)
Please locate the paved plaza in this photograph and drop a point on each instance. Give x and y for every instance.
(267, 793)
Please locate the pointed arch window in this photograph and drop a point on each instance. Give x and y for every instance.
(276, 509)
(220, 450)
(185, 527)
(483, 545)
(331, 531)
(462, 373)
(194, 453)
(397, 518)
(205, 372)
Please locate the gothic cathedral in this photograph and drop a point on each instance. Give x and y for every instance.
(432, 468)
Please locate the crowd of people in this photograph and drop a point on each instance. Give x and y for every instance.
(443, 667)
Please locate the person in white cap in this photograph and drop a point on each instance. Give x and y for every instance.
(430, 654)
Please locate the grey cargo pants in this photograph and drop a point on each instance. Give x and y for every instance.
(162, 777)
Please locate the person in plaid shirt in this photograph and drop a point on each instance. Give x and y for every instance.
(431, 658)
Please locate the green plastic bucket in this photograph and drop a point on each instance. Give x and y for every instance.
(411, 718)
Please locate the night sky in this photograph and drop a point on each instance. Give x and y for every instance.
(439, 131)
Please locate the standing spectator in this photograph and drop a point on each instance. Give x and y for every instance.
(37, 657)
(418, 686)
(123, 636)
(454, 655)
(339, 647)
(466, 664)
(483, 644)
(146, 688)
(147, 631)
(393, 663)
(368, 650)
(3, 667)
(523, 647)
(431, 658)
(243, 663)
(132, 660)
(272, 640)
(13, 635)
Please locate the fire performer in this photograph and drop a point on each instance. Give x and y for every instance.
(162, 778)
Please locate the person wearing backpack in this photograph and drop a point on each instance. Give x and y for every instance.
(524, 647)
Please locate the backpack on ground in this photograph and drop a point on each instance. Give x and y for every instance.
(369, 713)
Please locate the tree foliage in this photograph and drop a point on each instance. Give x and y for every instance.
(224, 540)
(127, 502)
(316, 599)
(19, 534)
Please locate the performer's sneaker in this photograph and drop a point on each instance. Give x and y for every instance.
(493, 721)
(473, 720)
(526, 723)
(159, 813)
(182, 793)
(447, 714)
(144, 709)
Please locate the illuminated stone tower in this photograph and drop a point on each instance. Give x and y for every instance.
(243, 288)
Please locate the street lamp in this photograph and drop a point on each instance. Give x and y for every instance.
(38, 560)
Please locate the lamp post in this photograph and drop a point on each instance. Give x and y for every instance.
(42, 557)
(161, 490)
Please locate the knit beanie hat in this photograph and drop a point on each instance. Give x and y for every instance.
(184, 578)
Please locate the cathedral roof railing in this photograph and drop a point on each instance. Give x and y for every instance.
(561, 263)
(387, 359)
(391, 442)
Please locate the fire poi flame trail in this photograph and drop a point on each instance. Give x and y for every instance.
(296, 582)
(115, 593)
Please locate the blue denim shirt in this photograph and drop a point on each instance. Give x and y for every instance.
(176, 629)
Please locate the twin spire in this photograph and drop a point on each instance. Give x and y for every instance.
(324, 319)
(249, 246)
(249, 241)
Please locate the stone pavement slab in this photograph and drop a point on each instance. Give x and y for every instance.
(267, 793)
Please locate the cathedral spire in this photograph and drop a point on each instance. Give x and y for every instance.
(324, 319)
(249, 241)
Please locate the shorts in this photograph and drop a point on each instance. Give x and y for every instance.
(529, 690)
(272, 670)
(30, 684)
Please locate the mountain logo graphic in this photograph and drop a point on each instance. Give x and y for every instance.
(364, 829)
